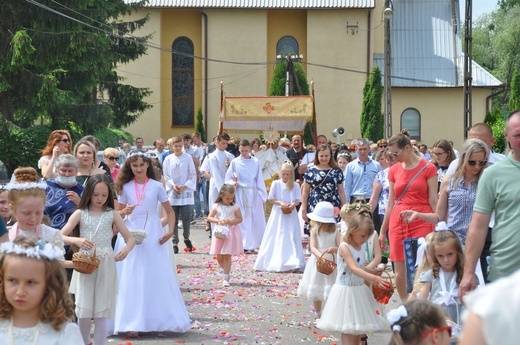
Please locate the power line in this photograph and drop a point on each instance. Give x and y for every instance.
(146, 43)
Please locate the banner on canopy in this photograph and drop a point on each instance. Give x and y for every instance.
(285, 114)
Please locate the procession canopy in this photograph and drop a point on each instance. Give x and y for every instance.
(253, 114)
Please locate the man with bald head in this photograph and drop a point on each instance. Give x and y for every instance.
(498, 191)
(295, 154)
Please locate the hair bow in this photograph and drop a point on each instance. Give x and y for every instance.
(420, 251)
(395, 315)
(442, 226)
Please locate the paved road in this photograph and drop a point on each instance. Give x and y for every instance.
(258, 307)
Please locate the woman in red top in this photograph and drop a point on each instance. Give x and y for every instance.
(420, 196)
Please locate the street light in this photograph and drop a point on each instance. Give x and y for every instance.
(387, 13)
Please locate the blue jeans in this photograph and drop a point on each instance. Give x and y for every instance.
(196, 195)
(183, 213)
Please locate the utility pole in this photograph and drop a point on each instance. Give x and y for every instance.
(468, 58)
(387, 13)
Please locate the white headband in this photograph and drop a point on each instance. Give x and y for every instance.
(141, 154)
(41, 250)
(13, 185)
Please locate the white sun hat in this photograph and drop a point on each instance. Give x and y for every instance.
(323, 213)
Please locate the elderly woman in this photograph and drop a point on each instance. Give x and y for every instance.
(63, 192)
(59, 142)
(110, 157)
(85, 153)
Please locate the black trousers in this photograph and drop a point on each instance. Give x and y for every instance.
(485, 253)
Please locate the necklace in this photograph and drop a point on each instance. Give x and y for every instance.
(11, 337)
(139, 196)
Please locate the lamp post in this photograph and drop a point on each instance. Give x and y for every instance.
(387, 13)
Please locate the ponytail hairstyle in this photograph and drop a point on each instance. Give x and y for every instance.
(441, 238)
(412, 320)
(287, 165)
(29, 176)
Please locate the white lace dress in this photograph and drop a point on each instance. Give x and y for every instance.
(46, 335)
(351, 307)
(315, 285)
(96, 292)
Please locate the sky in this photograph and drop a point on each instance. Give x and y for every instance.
(479, 7)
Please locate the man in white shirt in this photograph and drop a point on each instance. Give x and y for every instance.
(181, 181)
(198, 145)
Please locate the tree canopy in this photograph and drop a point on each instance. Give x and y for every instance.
(372, 120)
(58, 64)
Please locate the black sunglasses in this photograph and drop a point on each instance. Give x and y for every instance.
(66, 140)
(112, 158)
(481, 163)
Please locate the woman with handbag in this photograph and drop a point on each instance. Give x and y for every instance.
(412, 186)
(323, 181)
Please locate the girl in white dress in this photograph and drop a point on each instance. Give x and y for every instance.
(281, 248)
(149, 298)
(315, 286)
(35, 307)
(26, 199)
(351, 308)
(96, 292)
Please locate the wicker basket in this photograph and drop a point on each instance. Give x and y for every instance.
(382, 294)
(324, 265)
(84, 262)
(139, 234)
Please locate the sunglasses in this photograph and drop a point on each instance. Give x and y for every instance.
(113, 158)
(395, 154)
(481, 163)
(440, 329)
(382, 146)
(66, 140)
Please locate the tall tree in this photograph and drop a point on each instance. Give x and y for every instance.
(372, 120)
(58, 63)
(299, 87)
(514, 94)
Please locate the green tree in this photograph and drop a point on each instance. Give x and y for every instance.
(372, 119)
(514, 93)
(199, 125)
(61, 71)
(300, 87)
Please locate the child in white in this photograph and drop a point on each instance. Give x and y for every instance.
(351, 308)
(225, 212)
(441, 282)
(281, 248)
(315, 286)
(149, 299)
(36, 308)
(96, 292)
(181, 182)
(27, 200)
(246, 173)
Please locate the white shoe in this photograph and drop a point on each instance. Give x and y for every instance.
(179, 224)
(225, 283)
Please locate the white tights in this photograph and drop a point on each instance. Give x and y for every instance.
(100, 330)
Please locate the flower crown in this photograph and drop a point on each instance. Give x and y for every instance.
(42, 249)
(358, 206)
(14, 185)
(142, 154)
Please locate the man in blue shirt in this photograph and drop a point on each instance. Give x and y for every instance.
(360, 173)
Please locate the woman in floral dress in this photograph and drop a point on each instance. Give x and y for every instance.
(323, 181)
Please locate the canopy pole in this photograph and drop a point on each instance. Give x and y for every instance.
(221, 112)
(314, 124)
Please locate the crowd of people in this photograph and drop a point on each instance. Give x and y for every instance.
(447, 220)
